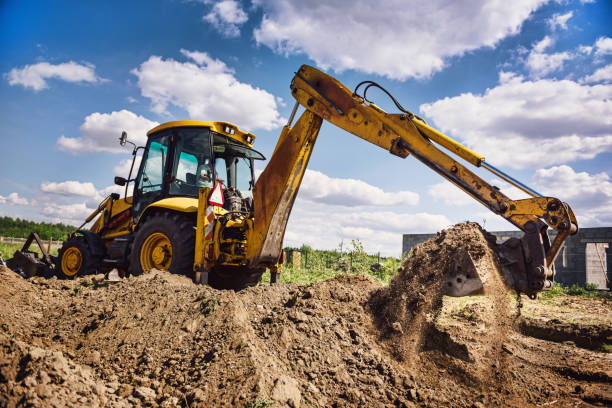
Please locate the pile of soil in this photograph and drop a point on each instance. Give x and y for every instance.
(160, 340)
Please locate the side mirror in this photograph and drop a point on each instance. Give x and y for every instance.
(120, 181)
(123, 138)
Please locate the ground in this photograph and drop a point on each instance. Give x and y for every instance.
(160, 340)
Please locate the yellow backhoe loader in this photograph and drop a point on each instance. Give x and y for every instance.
(196, 209)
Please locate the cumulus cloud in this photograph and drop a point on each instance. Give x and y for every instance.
(395, 38)
(101, 131)
(226, 16)
(539, 63)
(82, 189)
(67, 213)
(320, 188)
(382, 231)
(123, 168)
(74, 201)
(69, 188)
(13, 199)
(522, 123)
(559, 20)
(590, 195)
(601, 75)
(603, 46)
(207, 90)
(35, 76)
(449, 193)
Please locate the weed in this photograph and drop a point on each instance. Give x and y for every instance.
(260, 403)
(589, 291)
(207, 306)
(92, 284)
(318, 265)
(74, 292)
(8, 335)
(590, 287)
(575, 290)
(606, 348)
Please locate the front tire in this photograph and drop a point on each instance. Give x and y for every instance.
(75, 259)
(164, 241)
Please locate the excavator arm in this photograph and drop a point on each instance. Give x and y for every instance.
(528, 263)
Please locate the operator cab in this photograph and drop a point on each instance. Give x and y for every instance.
(182, 157)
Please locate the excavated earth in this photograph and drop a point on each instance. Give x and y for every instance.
(160, 340)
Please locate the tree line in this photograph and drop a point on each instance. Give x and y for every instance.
(18, 228)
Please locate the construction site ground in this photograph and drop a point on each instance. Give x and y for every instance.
(159, 340)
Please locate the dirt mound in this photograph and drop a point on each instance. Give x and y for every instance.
(159, 340)
(413, 298)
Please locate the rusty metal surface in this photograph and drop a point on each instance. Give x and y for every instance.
(277, 187)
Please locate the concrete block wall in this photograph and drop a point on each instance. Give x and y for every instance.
(572, 271)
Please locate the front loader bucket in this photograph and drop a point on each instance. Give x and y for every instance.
(28, 263)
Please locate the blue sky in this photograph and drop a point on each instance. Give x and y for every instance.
(528, 84)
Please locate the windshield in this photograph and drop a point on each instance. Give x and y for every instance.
(234, 164)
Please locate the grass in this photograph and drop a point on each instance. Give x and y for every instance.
(207, 306)
(8, 250)
(259, 403)
(606, 348)
(317, 265)
(588, 291)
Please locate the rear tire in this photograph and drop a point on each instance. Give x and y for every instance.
(164, 241)
(75, 259)
(235, 278)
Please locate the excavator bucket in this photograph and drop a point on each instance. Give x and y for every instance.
(522, 263)
(465, 277)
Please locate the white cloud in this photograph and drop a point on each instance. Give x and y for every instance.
(601, 75)
(207, 91)
(589, 195)
(123, 168)
(35, 76)
(69, 188)
(101, 132)
(81, 189)
(72, 214)
(396, 38)
(603, 46)
(100, 195)
(226, 16)
(523, 123)
(60, 209)
(324, 228)
(13, 199)
(540, 64)
(320, 188)
(452, 195)
(449, 193)
(559, 20)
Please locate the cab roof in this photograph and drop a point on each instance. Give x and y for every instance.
(225, 128)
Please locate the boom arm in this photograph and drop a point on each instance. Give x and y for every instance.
(529, 262)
